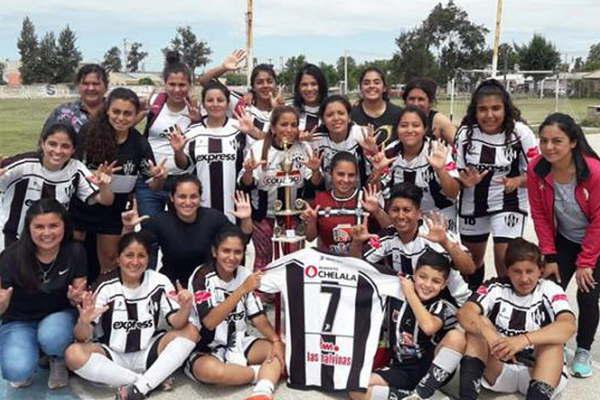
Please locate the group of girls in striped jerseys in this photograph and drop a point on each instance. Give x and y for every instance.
(382, 182)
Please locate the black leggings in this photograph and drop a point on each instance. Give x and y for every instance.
(588, 321)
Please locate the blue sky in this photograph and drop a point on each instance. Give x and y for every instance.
(320, 29)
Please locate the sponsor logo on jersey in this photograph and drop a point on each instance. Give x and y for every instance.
(215, 157)
(131, 325)
(325, 272)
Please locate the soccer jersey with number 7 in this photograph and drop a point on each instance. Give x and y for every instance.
(334, 308)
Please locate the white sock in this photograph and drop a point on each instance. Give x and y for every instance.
(255, 368)
(264, 386)
(171, 358)
(448, 359)
(100, 369)
(380, 392)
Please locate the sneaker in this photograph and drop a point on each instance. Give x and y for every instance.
(129, 392)
(167, 384)
(22, 384)
(582, 364)
(413, 396)
(59, 375)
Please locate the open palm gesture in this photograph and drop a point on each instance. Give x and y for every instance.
(438, 155)
(437, 225)
(176, 138)
(370, 200)
(243, 208)
(470, 176)
(88, 312)
(235, 60)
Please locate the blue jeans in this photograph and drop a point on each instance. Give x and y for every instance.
(21, 341)
(150, 202)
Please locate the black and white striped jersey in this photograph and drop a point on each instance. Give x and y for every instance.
(217, 155)
(209, 291)
(323, 144)
(26, 180)
(134, 315)
(334, 308)
(402, 257)
(309, 118)
(514, 315)
(418, 172)
(407, 341)
(268, 179)
(503, 156)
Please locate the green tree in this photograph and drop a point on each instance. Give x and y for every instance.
(135, 56)
(291, 67)
(235, 79)
(112, 60)
(413, 57)
(330, 73)
(48, 56)
(538, 54)
(592, 62)
(578, 65)
(2, 67)
(386, 66)
(194, 52)
(68, 56)
(146, 81)
(28, 50)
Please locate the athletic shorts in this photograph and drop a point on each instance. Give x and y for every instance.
(407, 374)
(503, 226)
(222, 354)
(137, 361)
(515, 378)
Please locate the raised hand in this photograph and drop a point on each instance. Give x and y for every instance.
(193, 110)
(131, 218)
(307, 136)
(76, 290)
(245, 121)
(158, 171)
(184, 297)
(5, 296)
(437, 225)
(314, 161)
(369, 142)
(235, 60)
(407, 284)
(88, 312)
(250, 164)
(379, 161)
(438, 155)
(252, 282)
(360, 233)
(277, 98)
(176, 138)
(370, 200)
(102, 176)
(243, 208)
(470, 176)
(310, 214)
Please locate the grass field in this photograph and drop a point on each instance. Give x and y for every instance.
(21, 119)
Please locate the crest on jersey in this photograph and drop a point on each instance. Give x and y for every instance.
(128, 167)
(511, 220)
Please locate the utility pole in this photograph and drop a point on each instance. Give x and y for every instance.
(249, 41)
(497, 37)
(345, 72)
(125, 55)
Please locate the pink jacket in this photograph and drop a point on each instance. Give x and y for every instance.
(540, 190)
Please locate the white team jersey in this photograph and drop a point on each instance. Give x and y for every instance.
(217, 154)
(133, 315)
(503, 157)
(309, 118)
(514, 315)
(26, 180)
(418, 172)
(403, 257)
(158, 135)
(323, 144)
(267, 180)
(209, 291)
(334, 308)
